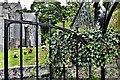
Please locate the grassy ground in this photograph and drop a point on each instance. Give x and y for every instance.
(28, 58)
(67, 24)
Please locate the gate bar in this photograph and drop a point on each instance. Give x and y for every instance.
(77, 76)
(37, 73)
(108, 17)
(6, 50)
(21, 57)
(64, 53)
(50, 50)
(78, 11)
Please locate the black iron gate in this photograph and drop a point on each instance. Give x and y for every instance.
(7, 23)
(76, 20)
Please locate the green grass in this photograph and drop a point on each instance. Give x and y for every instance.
(1, 59)
(28, 58)
(67, 24)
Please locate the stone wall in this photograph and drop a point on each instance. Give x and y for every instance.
(28, 72)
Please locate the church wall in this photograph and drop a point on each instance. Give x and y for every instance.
(14, 32)
(1, 29)
(1, 34)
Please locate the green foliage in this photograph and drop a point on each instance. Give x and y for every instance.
(61, 51)
(55, 9)
(50, 8)
(67, 24)
(72, 8)
(57, 12)
(98, 48)
(45, 9)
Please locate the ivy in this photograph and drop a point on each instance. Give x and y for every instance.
(101, 47)
(97, 50)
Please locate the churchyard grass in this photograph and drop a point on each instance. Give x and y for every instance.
(67, 24)
(29, 58)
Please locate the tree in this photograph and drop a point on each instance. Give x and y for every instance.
(56, 10)
(72, 8)
(45, 9)
(48, 8)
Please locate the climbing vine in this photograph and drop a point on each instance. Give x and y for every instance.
(100, 47)
(97, 50)
(63, 46)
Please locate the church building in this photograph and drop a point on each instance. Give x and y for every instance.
(9, 11)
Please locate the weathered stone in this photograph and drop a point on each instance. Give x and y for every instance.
(28, 72)
(8, 11)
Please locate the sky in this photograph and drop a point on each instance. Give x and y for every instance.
(27, 3)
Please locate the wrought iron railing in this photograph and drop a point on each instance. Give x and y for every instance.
(87, 17)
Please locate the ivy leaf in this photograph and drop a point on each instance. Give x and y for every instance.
(91, 36)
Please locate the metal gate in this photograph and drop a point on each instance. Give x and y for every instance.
(76, 19)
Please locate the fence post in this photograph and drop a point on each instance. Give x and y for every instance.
(50, 50)
(63, 25)
(36, 14)
(5, 50)
(21, 62)
(76, 52)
